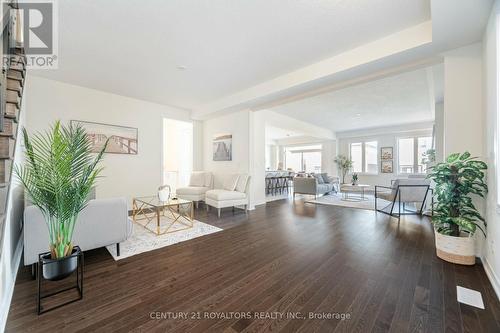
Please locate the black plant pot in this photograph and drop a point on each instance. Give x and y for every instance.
(58, 269)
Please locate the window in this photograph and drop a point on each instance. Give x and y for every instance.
(312, 161)
(357, 157)
(303, 158)
(406, 155)
(293, 161)
(424, 144)
(411, 153)
(364, 156)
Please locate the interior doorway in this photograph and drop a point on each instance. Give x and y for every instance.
(177, 152)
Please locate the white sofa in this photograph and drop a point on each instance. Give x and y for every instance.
(234, 193)
(103, 222)
(199, 183)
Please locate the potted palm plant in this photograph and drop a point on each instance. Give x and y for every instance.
(456, 219)
(345, 165)
(58, 174)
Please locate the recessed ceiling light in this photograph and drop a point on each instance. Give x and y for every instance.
(181, 67)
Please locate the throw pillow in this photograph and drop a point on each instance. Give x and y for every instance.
(197, 179)
(325, 178)
(230, 182)
(242, 183)
(319, 178)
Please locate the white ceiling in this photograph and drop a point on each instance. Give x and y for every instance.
(401, 99)
(277, 133)
(133, 47)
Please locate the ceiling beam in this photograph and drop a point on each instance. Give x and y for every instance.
(353, 82)
(291, 124)
(321, 73)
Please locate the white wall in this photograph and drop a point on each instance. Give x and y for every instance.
(237, 124)
(463, 109)
(491, 251)
(385, 137)
(439, 121)
(257, 157)
(463, 116)
(328, 153)
(124, 175)
(197, 145)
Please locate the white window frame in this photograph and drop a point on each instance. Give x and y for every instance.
(363, 157)
(415, 153)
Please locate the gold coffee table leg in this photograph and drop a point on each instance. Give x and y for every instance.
(157, 221)
(134, 209)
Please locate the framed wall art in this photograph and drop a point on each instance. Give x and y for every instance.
(122, 140)
(223, 147)
(387, 167)
(386, 153)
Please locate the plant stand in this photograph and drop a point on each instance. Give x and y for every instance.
(78, 286)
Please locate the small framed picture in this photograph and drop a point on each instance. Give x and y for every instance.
(386, 167)
(223, 147)
(386, 153)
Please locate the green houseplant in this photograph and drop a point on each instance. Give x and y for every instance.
(58, 174)
(455, 217)
(429, 156)
(345, 165)
(355, 179)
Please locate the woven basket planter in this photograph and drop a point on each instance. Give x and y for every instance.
(457, 250)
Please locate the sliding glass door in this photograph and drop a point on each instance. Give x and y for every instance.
(303, 158)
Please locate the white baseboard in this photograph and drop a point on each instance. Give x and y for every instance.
(494, 280)
(4, 313)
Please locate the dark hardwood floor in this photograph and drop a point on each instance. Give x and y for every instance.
(280, 261)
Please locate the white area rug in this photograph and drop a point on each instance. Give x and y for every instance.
(336, 200)
(143, 240)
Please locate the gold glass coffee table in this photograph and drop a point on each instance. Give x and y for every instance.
(353, 193)
(148, 212)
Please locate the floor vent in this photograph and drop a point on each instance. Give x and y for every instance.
(470, 297)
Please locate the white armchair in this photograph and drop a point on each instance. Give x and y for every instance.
(199, 183)
(404, 191)
(234, 193)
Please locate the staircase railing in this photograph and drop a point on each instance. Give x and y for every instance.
(13, 73)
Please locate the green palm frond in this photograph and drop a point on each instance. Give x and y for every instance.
(58, 174)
